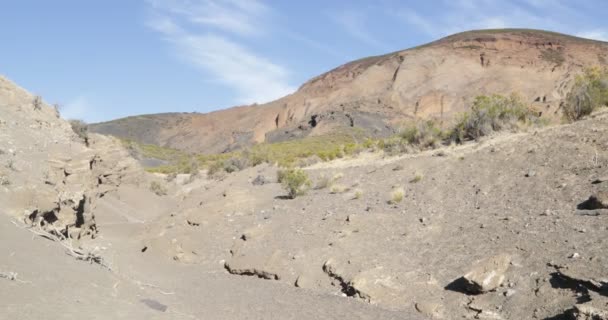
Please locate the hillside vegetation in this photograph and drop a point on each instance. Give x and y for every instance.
(437, 81)
(488, 114)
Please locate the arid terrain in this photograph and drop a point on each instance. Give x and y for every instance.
(511, 225)
(376, 94)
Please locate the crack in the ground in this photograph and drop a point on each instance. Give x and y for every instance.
(346, 287)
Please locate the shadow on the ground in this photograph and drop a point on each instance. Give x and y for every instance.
(459, 285)
(566, 315)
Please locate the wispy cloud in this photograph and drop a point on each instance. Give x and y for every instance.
(462, 15)
(78, 108)
(597, 34)
(354, 23)
(240, 17)
(214, 49)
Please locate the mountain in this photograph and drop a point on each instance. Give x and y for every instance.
(376, 94)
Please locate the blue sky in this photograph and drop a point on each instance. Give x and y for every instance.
(104, 59)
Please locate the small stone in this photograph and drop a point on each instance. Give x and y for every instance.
(509, 292)
(259, 181)
(600, 180)
(530, 174)
(574, 256)
(428, 309)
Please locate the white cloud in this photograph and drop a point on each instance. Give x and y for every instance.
(463, 15)
(354, 23)
(300, 38)
(600, 35)
(240, 17)
(79, 108)
(253, 77)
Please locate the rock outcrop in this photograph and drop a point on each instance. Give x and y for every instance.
(51, 176)
(438, 81)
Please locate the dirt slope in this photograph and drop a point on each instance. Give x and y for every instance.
(511, 206)
(500, 229)
(436, 80)
(96, 200)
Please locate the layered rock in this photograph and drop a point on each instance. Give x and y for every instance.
(51, 175)
(376, 94)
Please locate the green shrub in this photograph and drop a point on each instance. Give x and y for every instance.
(216, 169)
(325, 181)
(417, 178)
(589, 92)
(397, 195)
(188, 165)
(295, 181)
(288, 153)
(158, 188)
(413, 136)
(394, 145)
(337, 188)
(369, 143)
(81, 129)
(489, 114)
(553, 56)
(37, 103)
(4, 181)
(236, 163)
(425, 134)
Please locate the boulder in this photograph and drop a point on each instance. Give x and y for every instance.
(487, 275)
(596, 201)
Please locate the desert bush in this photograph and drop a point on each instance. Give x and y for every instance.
(10, 164)
(337, 188)
(395, 145)
(171, 176)
(325, 181)
(158, 188)
(255, 157)
(295, 181)
(357, 194)
(81, 129)
(216, 169)
(397, 195)
(489, 114)
(589, 92)
(37, 103)
(417, 178)
(425, 134)
(369, 143)
(236, 164)
(554, 56)
(413, 136)
(288, 153)
(308, 161)
(4, 181)
(188, 165)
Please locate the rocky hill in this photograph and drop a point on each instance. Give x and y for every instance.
(376, 94)
(512, 226)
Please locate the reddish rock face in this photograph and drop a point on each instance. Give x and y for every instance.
(437, 80)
